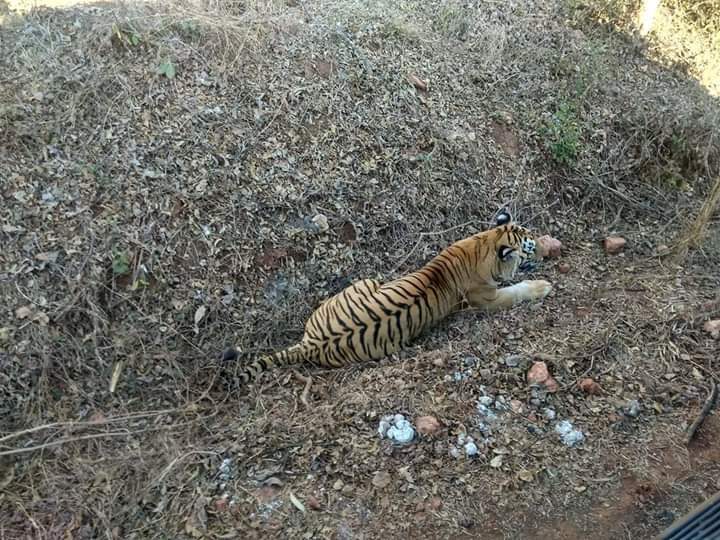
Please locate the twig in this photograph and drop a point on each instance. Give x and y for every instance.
(177, 460)
(109, 434)
(54, 425)
(306, 390)
(709, 402)
(65, 441)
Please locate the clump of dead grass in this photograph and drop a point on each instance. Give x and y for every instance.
(697, 228)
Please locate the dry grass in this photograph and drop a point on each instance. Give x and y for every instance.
(697, 228)
(162, 165)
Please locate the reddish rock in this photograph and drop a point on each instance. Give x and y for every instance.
(614, 244)
(712, 328)
(551, 385)
(427, 425)
(516, 406)
(538, 373)
(563, 268)
(313, 503)
(549, 247)
(589, 386)
(434, 504)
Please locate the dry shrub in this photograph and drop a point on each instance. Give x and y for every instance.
(697, 227)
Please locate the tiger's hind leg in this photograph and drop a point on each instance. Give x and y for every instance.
(491, 299)
(341, 315)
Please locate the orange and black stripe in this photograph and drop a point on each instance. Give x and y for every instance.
(367, 320)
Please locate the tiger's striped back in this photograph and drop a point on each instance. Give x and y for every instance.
(369, 320)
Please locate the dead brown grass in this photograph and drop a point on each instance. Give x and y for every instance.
(162, 165)
(697, 229)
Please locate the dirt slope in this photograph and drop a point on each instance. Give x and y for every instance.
(177, 178)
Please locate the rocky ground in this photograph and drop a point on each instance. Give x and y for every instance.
(179, 177)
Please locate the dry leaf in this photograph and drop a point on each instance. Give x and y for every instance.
(117, 370)
(417, 82)
(405, 474)
(199, 314)
(48, 256)
(313, 503)
(526, 476)
(381, 479)
(23, 312)
(41, 318)
(296, 503)
(196, 523)
(273, 481)
(496, 462)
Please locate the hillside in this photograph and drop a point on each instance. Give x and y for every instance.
(179, 177)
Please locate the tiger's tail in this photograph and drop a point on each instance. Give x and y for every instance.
(292, 356)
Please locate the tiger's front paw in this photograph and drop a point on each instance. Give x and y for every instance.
(539, 289)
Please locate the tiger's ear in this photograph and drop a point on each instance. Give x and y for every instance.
(505, 252)
(503, 217)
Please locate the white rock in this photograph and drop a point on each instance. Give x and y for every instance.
(471, 448)
(383, 427)
(321, 222)
(569, 435)
(396, 428)
(487, 413)
(633, 408)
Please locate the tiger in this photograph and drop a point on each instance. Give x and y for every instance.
(369, 320)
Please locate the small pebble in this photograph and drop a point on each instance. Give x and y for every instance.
(538, 373)
(633, 408)
(614, 244)
(569, 435)
(513, 360)
(396, 428)
(589, 386)
(321, 222)
(471, 448)
(712, 328)
(485, 400)
(427, 425)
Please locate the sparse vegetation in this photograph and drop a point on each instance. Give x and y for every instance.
(563, 135)
(177, 177)
(685, 33)
(454, 20)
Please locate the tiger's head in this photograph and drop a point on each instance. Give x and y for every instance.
(515, 248)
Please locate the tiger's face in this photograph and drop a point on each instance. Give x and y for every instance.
(516, 248)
